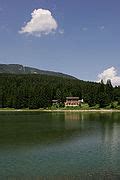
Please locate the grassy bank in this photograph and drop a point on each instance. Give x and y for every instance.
(83, 108)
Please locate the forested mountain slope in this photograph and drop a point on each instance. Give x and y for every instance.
(20, 69)
(37, 91)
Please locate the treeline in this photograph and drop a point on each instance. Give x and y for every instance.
(38, 91)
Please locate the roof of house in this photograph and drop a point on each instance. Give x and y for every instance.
(72, 98)
(54, 100)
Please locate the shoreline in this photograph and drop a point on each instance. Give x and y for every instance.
(59, 110)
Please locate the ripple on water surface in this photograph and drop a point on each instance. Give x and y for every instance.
(60, 144)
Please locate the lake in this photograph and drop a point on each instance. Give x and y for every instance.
(60, 144)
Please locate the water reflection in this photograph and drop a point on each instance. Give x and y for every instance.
(36, 127)
(72, 120)
(69, 143)
(111, 137)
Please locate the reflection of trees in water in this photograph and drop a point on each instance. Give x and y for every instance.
(46, 128)
(110, 130)
(33, 128)
(40, 128)
(110, 127)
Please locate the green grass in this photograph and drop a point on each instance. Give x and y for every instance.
(84, 106)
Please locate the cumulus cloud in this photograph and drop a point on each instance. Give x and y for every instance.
(110, 73)
(41, 23)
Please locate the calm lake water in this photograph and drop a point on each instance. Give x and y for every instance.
(60, 144)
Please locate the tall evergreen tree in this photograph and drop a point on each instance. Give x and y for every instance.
(109, 90)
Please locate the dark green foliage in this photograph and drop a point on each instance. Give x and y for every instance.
(103, 100)
(58, 95)
(119, 101)
(109, 91)
(116, 92)
(92, 95)
(112, 105)
(37, 91)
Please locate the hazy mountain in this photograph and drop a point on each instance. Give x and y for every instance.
(20, 69)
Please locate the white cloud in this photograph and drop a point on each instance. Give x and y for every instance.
(42, 22)
(110, 73)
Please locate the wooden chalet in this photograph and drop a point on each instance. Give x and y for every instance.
(72, 101)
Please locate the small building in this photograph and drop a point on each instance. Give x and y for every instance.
(55, 102)
(72, 101)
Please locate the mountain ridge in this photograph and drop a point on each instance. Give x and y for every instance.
(20, 69)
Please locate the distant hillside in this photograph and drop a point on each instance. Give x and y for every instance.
(20, 69)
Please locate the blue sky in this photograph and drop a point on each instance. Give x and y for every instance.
(85, 42)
